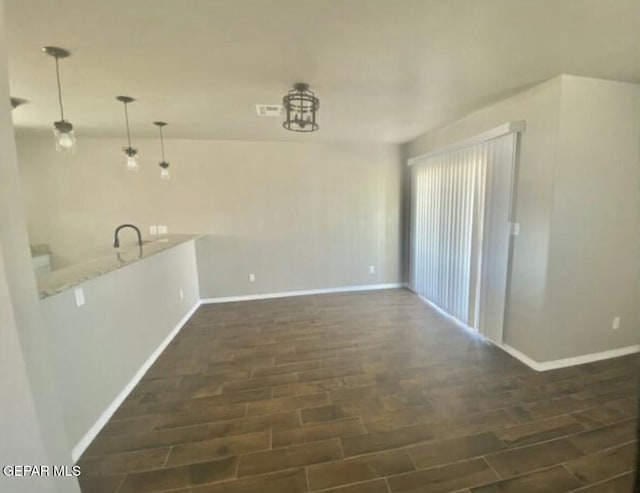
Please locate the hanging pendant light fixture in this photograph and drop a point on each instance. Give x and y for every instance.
(301, 106)
(164, 165)
(62, 129)
(131, 152)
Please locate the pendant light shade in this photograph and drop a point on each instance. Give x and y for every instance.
(164, 165)
(131, 152)
(301, 106)
(164, 172)
(62, 129)
(132, 159)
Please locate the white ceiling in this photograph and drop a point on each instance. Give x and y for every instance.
(384, 70)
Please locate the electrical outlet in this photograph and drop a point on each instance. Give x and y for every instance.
(163, 230)
(181, 294)
(616, 323)
(153, 230)
(79, 294)
(372, 269)
(252, 277)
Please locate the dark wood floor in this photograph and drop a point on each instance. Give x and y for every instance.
(361, 393)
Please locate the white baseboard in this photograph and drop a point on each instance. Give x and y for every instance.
(306, 292)
(88, 437)
(574, 361)
(93, 431)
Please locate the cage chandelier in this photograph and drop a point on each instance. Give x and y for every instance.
(300, 105)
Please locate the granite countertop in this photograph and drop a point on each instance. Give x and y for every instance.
(68, 277)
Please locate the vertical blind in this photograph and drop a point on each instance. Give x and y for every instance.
(448, 204)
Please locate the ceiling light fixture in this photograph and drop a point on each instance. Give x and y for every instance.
(300, 105)
(132, 153)
(164, 165)
(62, 129)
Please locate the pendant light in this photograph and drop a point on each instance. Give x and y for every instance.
(164, 165)
(62, 129)
(131, 152)
(301, 106)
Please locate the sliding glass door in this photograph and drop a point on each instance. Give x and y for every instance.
(461, 204)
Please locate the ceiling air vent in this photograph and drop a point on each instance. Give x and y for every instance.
(274, 110)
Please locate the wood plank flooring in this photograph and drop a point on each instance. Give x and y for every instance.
(370, 392)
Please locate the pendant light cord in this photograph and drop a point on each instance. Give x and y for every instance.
(59, 90)
(126, 117)
(162, 143)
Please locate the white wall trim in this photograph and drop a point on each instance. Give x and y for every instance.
(494, 133)
(306, 292)
(531, 363)
(93, 431)
(89, 436)
(574, 361)
(523, 358)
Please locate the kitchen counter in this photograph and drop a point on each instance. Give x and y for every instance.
(73, 275)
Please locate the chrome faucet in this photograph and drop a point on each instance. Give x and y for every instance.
(116, 240)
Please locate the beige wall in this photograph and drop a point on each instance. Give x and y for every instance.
(30, 417)
(577, 193)
(594, 253)
(298, 215)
